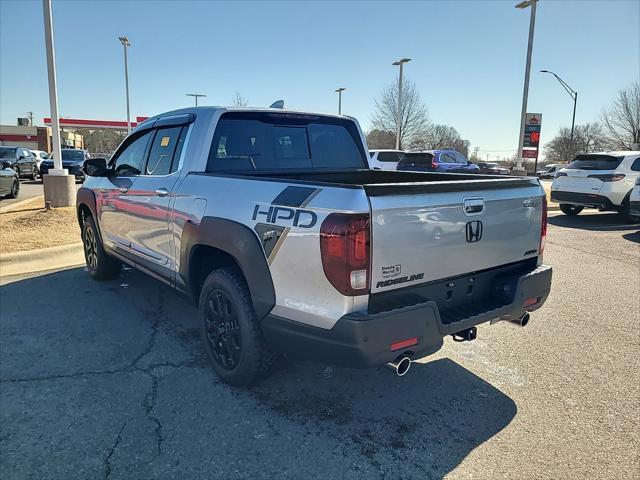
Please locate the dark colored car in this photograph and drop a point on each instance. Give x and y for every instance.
(493, 169)
(9, 182)
(437, 161)
(72, 159)
(21, 160)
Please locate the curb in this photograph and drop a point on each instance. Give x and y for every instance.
(32, 261)
(16, 205)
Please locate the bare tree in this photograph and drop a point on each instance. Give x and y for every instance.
(380, 139)
(239, 100)
(587, 138)
(621, 121)
(413, 117)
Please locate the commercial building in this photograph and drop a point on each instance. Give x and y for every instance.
(37, 138)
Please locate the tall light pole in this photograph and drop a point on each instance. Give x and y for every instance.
(400, 63)
(58, 185)
(573, 94)
(339, 92)
(125, 43)
(525, 92)
(195, 95)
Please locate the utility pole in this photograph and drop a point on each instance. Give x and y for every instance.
(475, 152)
(125, 44)
(30, 115)
(195, 96)
(339, 92)
(400, 63)
(518, 170)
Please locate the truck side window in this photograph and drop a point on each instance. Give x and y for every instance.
(635, 166)
(131, 160)
(163, 148)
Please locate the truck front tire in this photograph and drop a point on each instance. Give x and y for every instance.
(99, 265)
(230, 330)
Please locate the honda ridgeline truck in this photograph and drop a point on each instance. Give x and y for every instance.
(288, 243)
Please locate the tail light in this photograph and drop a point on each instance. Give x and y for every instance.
(608, 177)
(434, 163)
(345, 252)
(543, 226)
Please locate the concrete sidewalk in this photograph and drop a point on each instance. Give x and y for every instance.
(31, 261)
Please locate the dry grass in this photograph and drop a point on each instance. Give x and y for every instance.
(32, 227)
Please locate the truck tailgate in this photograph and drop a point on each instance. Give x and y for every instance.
(436, 234)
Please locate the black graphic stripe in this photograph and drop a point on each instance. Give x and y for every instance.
(293, 196)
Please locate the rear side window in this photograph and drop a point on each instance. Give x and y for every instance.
(165, 151)
(635, 166)
(391, 157)
(264, 141)
(416, 160)
(595, 162)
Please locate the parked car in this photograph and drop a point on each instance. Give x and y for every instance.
(597, 180)
(634, 199)
(385, 159)
(9, 181)
(550, 170)
(492, 169)
(448, 161)
(266, 217)
(40, 156)
(72, 159)
(20, 160)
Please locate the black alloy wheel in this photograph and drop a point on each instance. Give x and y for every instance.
(223, 330)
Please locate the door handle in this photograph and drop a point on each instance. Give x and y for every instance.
(162, 192)
(123, 189)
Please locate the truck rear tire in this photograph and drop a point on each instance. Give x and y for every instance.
(625, 211)
(230, 330)
(99, 265)
(571, 210)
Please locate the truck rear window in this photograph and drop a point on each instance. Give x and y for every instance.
(254, 141)
(595, 162)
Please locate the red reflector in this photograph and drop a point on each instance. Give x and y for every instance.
(530, 301)
(404, 344)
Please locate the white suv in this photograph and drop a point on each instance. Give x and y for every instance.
(598, 180)
(385, 159)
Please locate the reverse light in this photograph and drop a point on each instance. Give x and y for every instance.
(543, 226)
(344, 249)
(608, 177)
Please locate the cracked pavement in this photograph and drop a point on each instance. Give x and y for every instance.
(108, 380)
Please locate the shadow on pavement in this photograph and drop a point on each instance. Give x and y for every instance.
(632, 237)
(109, 378)
(596, 221)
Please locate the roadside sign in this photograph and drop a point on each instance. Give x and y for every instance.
(532, 127)
(530, 153)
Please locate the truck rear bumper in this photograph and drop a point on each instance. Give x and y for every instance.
(365, 340)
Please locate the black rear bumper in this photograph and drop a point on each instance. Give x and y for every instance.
(364, 340)
(584, 199)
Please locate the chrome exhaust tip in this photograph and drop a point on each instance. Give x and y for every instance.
(401, 365)
(522, 321)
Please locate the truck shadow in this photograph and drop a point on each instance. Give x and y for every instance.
(595, 222)
(369, 422)
(421, 425)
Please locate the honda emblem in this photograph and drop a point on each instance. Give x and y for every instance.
(474, 231)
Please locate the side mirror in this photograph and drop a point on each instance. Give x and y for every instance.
(96, 167)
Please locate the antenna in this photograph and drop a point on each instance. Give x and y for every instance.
(277, 104)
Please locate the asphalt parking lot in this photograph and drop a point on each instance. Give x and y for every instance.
(108, 380)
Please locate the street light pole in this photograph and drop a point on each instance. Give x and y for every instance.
(525, 92)
(400, 63)
(195, 95)
(339, 92)
(53, 90)
(125, 44)
(574, 95)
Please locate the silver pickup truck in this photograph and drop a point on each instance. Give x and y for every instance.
(271, 220)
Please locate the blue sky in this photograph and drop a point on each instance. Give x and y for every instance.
(468, 58)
